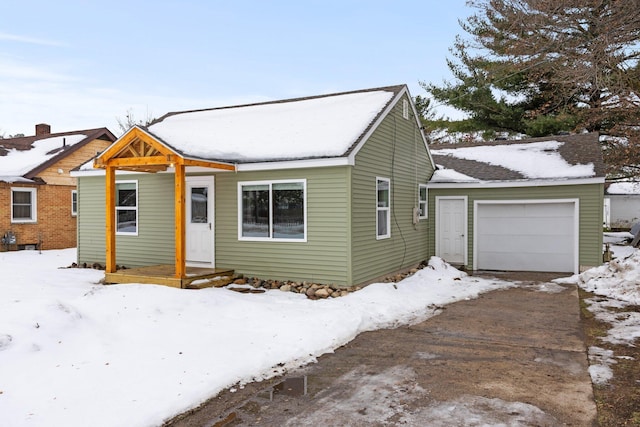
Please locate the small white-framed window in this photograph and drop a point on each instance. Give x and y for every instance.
(383, 206)
(127, 207)
(24, 204)
(422, 201)
(405, 109)
(272, 210)
(74, 202)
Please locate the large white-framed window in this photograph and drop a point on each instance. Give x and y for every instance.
(127, 207)
(383, 206)
(422, 201)
(24, 204)
(74, 202)
(272, 210)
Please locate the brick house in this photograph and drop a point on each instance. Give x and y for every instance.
(38, 199)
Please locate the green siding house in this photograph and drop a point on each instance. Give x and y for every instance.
(327, 189)
(518, 205)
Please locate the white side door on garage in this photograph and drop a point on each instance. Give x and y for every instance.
(451, 229)
(526, 235)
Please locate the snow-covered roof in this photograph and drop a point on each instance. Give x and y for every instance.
(624, 188)
(302, 128)
(20, 157)
(552, 158)
(17, 163)
(443, 174)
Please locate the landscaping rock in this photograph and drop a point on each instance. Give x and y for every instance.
(316, 290)
(322, 293)
(285, 288)
(219, 282)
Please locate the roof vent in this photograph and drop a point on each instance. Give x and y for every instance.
(43, 129)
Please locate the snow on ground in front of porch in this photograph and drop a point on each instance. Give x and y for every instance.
(74, 352)
(305, 128)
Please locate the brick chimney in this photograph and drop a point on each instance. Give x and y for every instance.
(43, 129)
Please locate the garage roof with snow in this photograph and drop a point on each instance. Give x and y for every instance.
(559, 157)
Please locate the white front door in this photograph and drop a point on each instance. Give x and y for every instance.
(200, 221)
(451, 229)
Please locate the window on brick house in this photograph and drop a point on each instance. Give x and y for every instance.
(23, 205)
(74, 202)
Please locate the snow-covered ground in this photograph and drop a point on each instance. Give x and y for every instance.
(76, 353)
(617, 284)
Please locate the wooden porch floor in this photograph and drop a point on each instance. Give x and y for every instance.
(164, 274)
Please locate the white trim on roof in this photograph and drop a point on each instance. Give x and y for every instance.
(294, 164)
(348, 160)
(15, 179)
(519, 183)
(383, 114)
(242, 167)
(102, 172)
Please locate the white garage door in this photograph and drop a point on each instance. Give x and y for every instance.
(526, 236)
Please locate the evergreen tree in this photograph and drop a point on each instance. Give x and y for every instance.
(543, 66)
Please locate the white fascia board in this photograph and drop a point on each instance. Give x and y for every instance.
(381, 117)
(102, 172)
(374, 126)
(293, 164)
(16, 179)
(244, 167)
(92, 172)
(416, 118)
(522, 183)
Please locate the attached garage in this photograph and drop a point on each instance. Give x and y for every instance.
(534, 235)
(518, 205)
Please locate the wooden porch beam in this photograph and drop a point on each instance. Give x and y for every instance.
(151, 151)
(180, 225)
(110, 198)
(131, 148)
(206, 164)
(138, 161)
(150, 168)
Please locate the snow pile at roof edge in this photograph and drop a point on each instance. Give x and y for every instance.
(443, 174)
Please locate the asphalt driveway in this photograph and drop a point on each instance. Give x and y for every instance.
(513, 357)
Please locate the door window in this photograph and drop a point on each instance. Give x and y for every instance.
(199, 205)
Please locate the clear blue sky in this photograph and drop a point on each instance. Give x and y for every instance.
(82, 64)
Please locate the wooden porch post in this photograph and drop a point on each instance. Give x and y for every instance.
(111, 220)
(180, 226)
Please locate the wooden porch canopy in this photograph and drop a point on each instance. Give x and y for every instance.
(138, 151)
